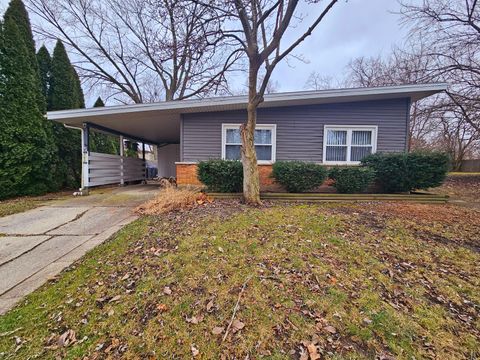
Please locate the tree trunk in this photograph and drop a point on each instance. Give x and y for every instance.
(251, 181)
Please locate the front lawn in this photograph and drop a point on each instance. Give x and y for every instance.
(285, 281)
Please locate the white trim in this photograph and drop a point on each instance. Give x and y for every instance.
(349, 129)
(272, 127)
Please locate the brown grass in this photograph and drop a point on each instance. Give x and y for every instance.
(172, 199)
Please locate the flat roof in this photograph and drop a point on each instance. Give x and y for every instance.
(160, 122)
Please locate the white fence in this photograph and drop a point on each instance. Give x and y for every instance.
(106, 169)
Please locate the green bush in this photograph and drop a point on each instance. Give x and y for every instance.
(298, 176)
(401, 172)
(349, 180)
(221, 175)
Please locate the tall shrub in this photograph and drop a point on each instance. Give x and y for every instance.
(25, 151)
(352, 179)
(221, 175)
(44, 67)
(401, 172)
(299, 176)
(65, 93)
(16, 11)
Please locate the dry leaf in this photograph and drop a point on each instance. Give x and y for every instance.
(237, 325)
(67, 338)
(217, 330)
(303, 354)
(167, 290)
(195, 351)
(313, 352)
(162, 307)
(195, 319)
(210, 306)
(330, 329)
(115, 298)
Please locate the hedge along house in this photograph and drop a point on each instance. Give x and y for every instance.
(332, 127)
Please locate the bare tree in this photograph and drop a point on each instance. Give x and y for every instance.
(259, 28)
(455, 136)
(402, 67)
(141, 50)
(436, 122)
(451, 30)
(316, 81)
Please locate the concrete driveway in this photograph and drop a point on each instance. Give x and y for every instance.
(38, 244)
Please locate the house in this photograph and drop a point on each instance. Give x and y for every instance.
(333, 127)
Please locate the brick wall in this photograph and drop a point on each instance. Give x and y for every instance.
(187, 174)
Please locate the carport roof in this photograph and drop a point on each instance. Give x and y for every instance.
(158, 123)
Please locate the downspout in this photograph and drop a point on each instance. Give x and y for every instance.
(85, 152)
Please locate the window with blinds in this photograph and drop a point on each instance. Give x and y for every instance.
(348, 144)
(264, 142)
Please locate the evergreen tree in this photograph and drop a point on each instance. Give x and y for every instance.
(44, 66)
(79, 97)
(25, 152)
(16, 11)
(103, 143)
(99, 102)
(65, 93)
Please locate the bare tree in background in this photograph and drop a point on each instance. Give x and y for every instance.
(260, 27)
(455, 136)
(141, 50)
(401, 67)
(316, 81)
(435, 122)
(451, 31)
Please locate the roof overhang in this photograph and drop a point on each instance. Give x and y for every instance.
(160, 122)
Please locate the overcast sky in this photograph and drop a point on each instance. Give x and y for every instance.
(353, 28)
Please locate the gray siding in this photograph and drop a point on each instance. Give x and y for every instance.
(299, 128)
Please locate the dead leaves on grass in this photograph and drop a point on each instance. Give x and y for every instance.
(326, 336)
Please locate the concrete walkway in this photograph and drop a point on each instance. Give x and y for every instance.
(38, 244)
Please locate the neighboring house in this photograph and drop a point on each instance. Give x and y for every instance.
(333, 127)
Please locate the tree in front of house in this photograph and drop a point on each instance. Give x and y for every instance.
(65, 92)
(263, 33)
(25, 152)
(103, 143)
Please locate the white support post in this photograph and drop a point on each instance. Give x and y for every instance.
(85, 161)
(122, 177)
(144, 164)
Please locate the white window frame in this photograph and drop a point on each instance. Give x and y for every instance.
(349, 129)
(272, 127)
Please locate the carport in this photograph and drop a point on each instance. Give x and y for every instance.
(139, 123)
(156, 124)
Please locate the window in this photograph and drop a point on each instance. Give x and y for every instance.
(265, 137)
(348, 144)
